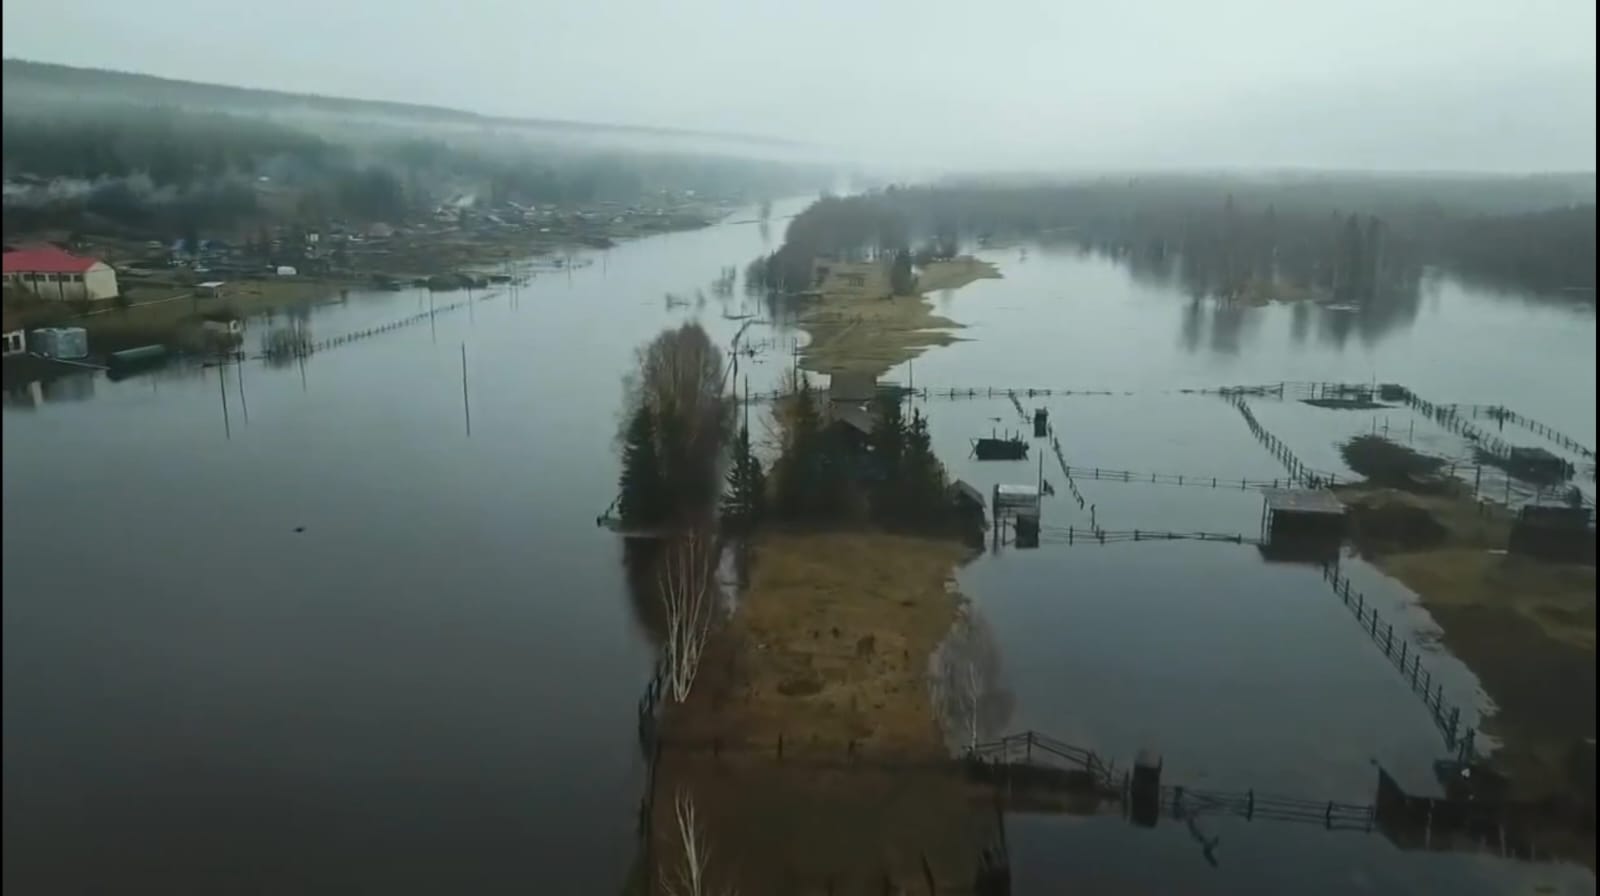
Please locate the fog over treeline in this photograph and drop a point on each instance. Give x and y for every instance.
(125, 151)
(1353, 238)
(1472, 85)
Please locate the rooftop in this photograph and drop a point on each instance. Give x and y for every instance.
(46, 260)
(855, 417)
(845, 385)
(1303, 500)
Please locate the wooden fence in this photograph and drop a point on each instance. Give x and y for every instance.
(1102, 474)
(1408, 659)
(1501, 414)
(1188, 802)
(1030, 748)
(1299, 473)
(1076, 536)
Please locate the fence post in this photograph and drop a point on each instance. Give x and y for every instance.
(1327, 820)
(1250, 804)
(1388, 643)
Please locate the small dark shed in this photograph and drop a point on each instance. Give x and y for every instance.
(847, 387)
(1559, 534)
(1538, 465)
(1301, 513)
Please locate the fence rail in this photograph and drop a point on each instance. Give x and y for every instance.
(1184, 802)
(1076, 536)
(1298, 472)
(1501, 413)
(1408, 659)
(1102, 474)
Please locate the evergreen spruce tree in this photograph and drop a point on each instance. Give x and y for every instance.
(643, 489)
(743, 502)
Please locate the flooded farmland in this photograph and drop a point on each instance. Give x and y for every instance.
(307, 625)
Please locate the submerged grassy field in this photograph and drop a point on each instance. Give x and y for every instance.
(1525, 627)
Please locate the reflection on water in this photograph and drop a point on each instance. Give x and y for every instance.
(348, 636)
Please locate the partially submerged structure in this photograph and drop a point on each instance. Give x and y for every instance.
(1301, 514)
(1537, 465)
(1560, 534)
(995, 447)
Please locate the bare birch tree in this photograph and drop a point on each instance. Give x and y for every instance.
(689, 595)
(691, 877)
(967, 682)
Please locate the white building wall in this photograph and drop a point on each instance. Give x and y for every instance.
(101, 281)
(98, 283)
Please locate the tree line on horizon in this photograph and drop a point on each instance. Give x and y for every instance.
(1349, 238)
(148, 166)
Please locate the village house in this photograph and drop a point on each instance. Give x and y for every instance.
(57, 275)
(16, 338)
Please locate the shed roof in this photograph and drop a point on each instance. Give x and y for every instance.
(1303, 500)
(46, 260)
(965, 490)
(856, 418)
(847, 385)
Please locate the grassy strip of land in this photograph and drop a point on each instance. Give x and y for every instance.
(829, 651)
(857, 325)
(161, 313)
(1524, 626)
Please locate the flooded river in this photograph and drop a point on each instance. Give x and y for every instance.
(302, 629)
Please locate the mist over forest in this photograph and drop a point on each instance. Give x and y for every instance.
(102, 150)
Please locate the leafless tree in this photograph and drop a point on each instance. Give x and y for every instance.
(681, 378)
(690, 879)
(689, 595)
(967, 682)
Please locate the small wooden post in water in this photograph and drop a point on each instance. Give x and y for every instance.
(466, 406)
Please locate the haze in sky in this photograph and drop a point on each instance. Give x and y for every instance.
(1047, 84)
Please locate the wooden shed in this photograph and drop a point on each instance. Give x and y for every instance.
(1301, 514)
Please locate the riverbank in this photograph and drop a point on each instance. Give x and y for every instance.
(856, 325)
(161, 304)
(1525, 627)
(809, 744)
(166, 313)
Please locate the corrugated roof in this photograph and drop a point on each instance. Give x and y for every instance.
(46, 260)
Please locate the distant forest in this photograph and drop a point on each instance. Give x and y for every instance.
(105, 160)
(1347, 238)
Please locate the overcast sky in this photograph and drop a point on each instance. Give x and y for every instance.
(1459, 84)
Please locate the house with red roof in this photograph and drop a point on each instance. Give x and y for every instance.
(58, 275)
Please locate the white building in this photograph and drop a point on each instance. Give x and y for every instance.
(53, 274)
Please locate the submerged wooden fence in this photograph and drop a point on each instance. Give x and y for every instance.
(1188, 802)
(1299, 473)
(1501, 413)
(1101, 474)
(1408, 659)
(1072, 535)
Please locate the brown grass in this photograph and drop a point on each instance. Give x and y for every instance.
(861, 328)
(829, 650)
(1525, 627)
(830, 644)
